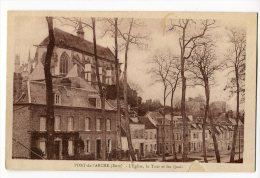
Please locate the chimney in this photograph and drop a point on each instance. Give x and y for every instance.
(80, 31)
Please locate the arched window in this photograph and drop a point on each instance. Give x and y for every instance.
(64, 63)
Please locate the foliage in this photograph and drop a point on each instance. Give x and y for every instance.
(149, 105)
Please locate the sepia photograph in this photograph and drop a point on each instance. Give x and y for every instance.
(162, 91)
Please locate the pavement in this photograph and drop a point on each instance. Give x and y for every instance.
(224, 156)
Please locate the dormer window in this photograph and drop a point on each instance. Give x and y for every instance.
(88, 72)
(57, 99)
(93, 102)
(88, 67)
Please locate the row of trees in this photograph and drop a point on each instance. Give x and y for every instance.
(196, 62)
(196, 65)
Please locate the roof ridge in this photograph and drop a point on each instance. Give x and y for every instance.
(98, 45)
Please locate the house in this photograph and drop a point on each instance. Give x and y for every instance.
(150, 136)
(164, 131)
(77, 119)
(137, 130)
(77, 106)
(196, 137)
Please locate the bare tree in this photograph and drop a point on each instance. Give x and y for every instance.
(166, 72)
(190, 32)
(235, 58)
(203, 65)
(174, 81)
(49, 90)
(130, 37)
(110, 27)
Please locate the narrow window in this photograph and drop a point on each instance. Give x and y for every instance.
(70, 124)
(87, 146)
(87, 122)
(98, 128)
(108, 124)
(57, 99)
(70, 147)
(43, 146)
(57, 123)
(64, 63)
(42, 123)
(109, 146)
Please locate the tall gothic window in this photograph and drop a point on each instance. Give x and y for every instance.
(64, 63)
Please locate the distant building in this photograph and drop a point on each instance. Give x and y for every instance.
(150, 136)
(137, 130)
(195, 106)
(218, 107)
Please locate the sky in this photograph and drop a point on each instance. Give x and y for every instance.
(30, 31)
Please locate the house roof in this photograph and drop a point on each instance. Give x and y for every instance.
(147, 123)
(68, 41)
(156, 116)
(77, 95)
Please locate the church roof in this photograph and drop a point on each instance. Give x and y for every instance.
(66, 40)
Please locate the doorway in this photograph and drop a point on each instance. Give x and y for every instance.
(142, 149)
(98, 149)
(57, 149)
(179, 149)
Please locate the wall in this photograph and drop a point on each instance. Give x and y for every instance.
(21, 123)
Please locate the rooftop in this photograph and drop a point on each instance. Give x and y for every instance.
(68, 41)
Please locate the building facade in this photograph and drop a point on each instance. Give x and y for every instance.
(78, 124)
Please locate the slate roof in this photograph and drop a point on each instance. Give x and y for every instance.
(68, 41)
(75, 96)
(147, 123)
(156, 116)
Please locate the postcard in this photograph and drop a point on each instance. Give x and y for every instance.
(131, 91)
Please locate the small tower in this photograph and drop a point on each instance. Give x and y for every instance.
(80, 31)
(29, 63)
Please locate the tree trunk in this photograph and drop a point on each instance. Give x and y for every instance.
(183, 111)
(172, 135)
(49, 91)
(207, 110)
(233, 149)
(204, 124)
(118, 115)
(101, 92)
(128, 134)
(163, 124)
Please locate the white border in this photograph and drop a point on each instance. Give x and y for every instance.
(112, 5)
